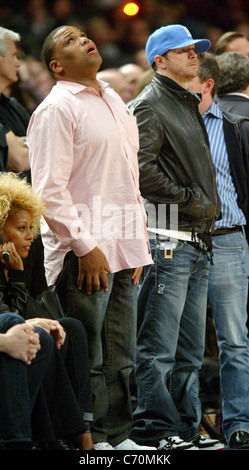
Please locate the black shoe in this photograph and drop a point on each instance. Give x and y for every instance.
(239, 440)
(207, 443)
(175, 443)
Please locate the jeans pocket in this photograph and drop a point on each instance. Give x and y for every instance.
(231, 245)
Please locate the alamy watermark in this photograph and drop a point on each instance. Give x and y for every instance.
(112, 221)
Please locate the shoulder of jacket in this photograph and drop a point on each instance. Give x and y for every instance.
(234, 119)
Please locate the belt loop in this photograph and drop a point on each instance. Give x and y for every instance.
(243, 231)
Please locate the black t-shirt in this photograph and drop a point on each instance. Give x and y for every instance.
(13, 116)
(3, 149)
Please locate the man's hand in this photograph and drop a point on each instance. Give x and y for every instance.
(93, 269)
(136, 275)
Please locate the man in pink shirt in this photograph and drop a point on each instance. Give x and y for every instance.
(83, 153)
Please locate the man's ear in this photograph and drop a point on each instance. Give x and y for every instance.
(209, 85)
(160, 62)
(55, 66)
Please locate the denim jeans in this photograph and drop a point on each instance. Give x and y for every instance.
(110, 322)
(19, 385)
(170, 344)
(227, 294)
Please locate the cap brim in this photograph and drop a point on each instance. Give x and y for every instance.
(201, 45)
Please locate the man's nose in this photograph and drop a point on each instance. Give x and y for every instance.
(84, 40)
(192, 53)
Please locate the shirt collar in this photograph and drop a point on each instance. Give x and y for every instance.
(213, 111)
(238, 94)
(75, 87)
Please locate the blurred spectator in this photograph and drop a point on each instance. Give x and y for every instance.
(233, 88)
(232, 41)
(144, 79)
(34, 83)
(134, 38)
(131, 73)
(105, 37)
(13, 116)
(243, 27)
(213, 33)
(64, 12)
(141, 59)
(170, 12)
(209, 13)
(38, 23)
(118, 36)
(116, 80)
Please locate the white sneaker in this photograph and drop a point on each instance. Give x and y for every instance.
(128, 444)
(176, 443)
(207, 443)
(102, 446)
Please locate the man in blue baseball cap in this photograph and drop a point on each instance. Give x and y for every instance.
(175, 169)
(172, 37)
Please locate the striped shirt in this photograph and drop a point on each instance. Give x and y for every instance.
(231, 213)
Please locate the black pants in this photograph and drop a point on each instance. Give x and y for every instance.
(65, 397)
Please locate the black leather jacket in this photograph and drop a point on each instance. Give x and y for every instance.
(175, 163)
(13, 294)
(14, 297)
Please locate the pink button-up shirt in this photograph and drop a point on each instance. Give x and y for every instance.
(83, 157)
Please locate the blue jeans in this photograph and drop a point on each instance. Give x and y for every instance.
(227, 294)
(19, 385)
(110, 322)
(170, 344)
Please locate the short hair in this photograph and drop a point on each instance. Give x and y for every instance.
(234, 73)
(208, 68)
(7, 34)
(154, 66)
(225, 40)
(17, 194)
(48, 48)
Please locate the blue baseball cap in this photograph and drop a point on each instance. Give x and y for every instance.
(170, 37)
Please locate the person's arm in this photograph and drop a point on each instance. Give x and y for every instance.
(20, 342)
(18, 153)
(155, 184)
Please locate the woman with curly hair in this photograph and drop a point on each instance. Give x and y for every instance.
(63, 409)
(15, 194)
